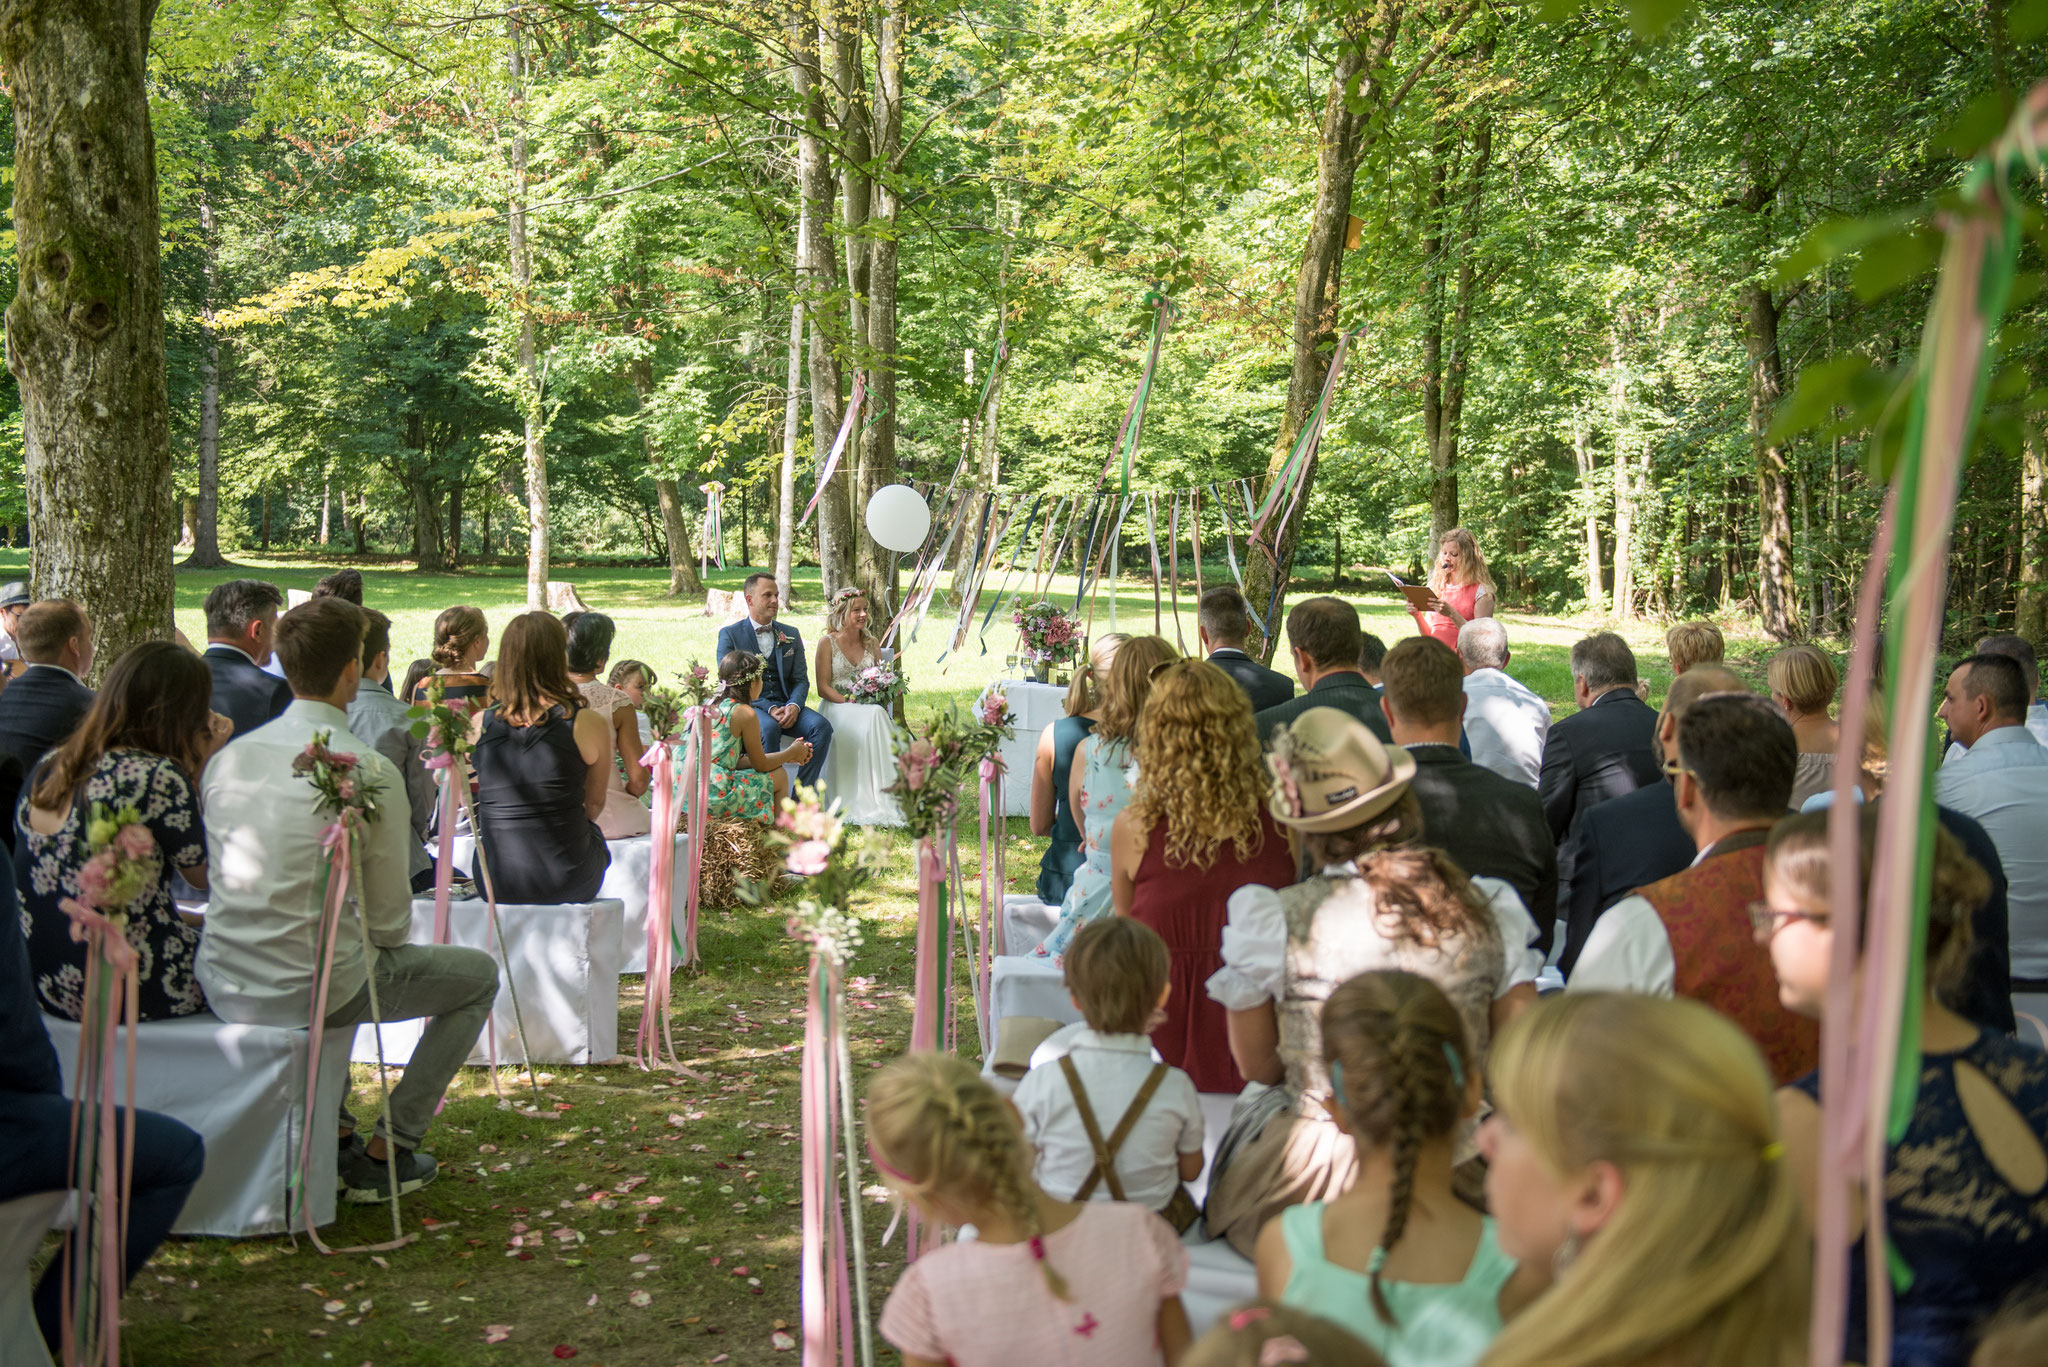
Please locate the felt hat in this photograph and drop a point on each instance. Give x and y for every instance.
(15, 595)
(1330, 773)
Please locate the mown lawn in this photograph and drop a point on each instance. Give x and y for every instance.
(655, 1214)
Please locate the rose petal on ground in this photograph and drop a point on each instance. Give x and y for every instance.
(781, 1342)
(641, 1298)
(563, 1350)
(497, 1333)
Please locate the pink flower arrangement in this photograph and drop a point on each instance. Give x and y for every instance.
(917, 763)
(995, 710)
(807, 858)
(124, 862)
(338, 782)
(1050, 636)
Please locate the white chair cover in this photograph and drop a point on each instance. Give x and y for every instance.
(2031, 1009)
(243, 1087)
(1026, 985)
(565, 965)
(23, 1223)
(1026, 922)
(626, 880)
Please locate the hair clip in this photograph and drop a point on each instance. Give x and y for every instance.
(1337, 1083)
(1457, 1064)
(1037, 1248)
(1282, 1349)
(1376, 1261)
(1241, 1320)
(1772, 1152)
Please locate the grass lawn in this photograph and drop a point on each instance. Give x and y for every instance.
(656, 1214)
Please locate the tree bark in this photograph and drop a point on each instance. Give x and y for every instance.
(85, 332)
(820, 274)
(356, 523)
(875, 567)
(266, 518)
(326, 505)
(1447, 338)
(792, 428)
(535, 460)
(2030, 615)
(454, 556)
(206, 521)
(675, 526)
(1589, 474)
(1624, 478)
(426, 527)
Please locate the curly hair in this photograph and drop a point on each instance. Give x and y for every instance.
(1129, 684)
(836, 610)
(1421, 894)
(1198, 766)
(937, 1127)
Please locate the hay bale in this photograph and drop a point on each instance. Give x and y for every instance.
(735, 851)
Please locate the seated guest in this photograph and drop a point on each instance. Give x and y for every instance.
(1222, 623)
(1688, 935)
(1372, 653)
(1327, 641)
(383, 723)
(241, 623)
(1601, 751)
(2021, 650)
(1692, 644)
(1963, 1185)
(1107, 1084)
(1488, 825)
(461, 640)
(1506, 721)
(1803, 682)
(1052, 771)
(143, 745)
(265, 836)
(1628, 841)
(1397, 1258)
(1100, 784)
(36, 1135)
(2002, 782)
(1633, 1151)
(1380, 899)
(633, 678)
(542, 761)
(345, 584)
(590, 650)
(415, 674)
(47, 702)
(747, 783)
(1196, 831)
(785, 680)
(14, 600)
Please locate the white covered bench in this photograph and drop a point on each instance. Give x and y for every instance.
(1026, 922)
(625, 880)
(564, 961)
(23, 1223)
(243, 1088)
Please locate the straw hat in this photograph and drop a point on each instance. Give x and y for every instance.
(1331, 773)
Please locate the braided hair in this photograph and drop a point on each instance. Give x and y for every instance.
(1399, 1060)
(940, 1131)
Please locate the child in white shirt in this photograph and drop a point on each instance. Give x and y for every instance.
(1147, 1115)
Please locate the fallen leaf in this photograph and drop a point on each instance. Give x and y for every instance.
(563, 1350)
(781, 1342)
(641, 1298)
(497, 1333)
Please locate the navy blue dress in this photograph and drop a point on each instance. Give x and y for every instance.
(1968, 1236)
(1063, 851)
(542, 848)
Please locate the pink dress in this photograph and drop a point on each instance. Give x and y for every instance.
(987, 1305)
(623, 816)
(1462, 597)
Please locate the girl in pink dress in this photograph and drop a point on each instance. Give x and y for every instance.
(1463, 588)
(1095, 1284)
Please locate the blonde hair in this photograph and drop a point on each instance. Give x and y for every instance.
(1129, 684)
(1706, 1261)
(939, 1130)
(1468, 555)
(836, 610)
(1399, 1061)
(1265, 1332)
(1198, 766)
(1805, 677)
(1116, 968)
(1694, 643)
(1081, 693)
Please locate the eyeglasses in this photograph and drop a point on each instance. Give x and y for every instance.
(1765, 920)
(1672, 769)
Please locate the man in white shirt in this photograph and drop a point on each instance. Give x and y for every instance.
(264, 833)
(2018, 648)
(1505, 720)
(1690, 935)
(385, 724)
(2001, 779)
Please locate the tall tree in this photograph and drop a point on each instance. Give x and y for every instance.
(529, 376)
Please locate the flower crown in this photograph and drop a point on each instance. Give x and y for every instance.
(842, 595)
(747, 674)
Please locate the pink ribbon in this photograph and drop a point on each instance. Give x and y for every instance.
(700, 761)
(927, 970)
(820, 1323)
(444, 822)
(101, 1233)
(655, 1036)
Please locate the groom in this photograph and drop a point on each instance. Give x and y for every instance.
(785, 682)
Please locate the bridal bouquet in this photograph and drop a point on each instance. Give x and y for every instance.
(1050, 636)
(878, 682)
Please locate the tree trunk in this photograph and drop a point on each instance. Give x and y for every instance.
(266, 518)
(326, 504)
(792, 427)
(1589, 474)
(682, 559)
(876, 565)
(206, 523)
(426, 527)
(1447, 339)
(189, 510)
(1777, 587)
(2030, 614)
(484, 527)
(454, 557)
(85, 332)
(1624, 479)
(356, 523)
(536, 460)
(820, 272)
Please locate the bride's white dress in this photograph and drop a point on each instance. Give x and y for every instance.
(861, 761)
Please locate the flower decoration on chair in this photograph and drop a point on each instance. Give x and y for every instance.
(833, 863)
(942, 760)
(443, 723)
(337, 778)
(879, 683)
(1050, 636)
(665, 706)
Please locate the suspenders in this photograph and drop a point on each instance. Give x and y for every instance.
(1106, 1150)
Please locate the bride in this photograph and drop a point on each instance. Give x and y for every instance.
(862, 761)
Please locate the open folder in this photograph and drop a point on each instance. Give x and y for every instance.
(1418, 595)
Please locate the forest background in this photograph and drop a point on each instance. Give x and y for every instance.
(1632, 288)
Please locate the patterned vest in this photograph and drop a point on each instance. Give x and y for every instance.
(1705, 911)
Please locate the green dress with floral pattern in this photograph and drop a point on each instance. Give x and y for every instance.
(738, 790)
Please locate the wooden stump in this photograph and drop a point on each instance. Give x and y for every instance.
(563, 598)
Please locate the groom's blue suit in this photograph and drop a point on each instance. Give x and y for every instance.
(785, 679)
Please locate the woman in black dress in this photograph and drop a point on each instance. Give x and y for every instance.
(542, 762)
(143, 744)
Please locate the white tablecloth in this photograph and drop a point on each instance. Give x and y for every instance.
(1033, 707)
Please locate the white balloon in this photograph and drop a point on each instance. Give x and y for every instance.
(898, 518)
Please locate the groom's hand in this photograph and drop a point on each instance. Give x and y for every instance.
(785, 715)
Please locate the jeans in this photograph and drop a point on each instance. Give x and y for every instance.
(809, 725)
(452, 988)
(35, 1133)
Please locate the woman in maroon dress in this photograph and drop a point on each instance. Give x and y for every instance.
(1196, 831)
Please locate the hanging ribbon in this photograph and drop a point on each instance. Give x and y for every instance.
(927, 971)
(698, 761)
(991, 869)
(978, 572)
(1129, 432)
(1152, 543)
(833, 1233)
(1093, 521)
(711, 537)
(1229, 546)
(1195, 536)
(1045, 547)
(102, 1173)
(831, 465)
(1303, 453)
(1110, 551)
(970, 566)
(1173, 570)
(654, 1036)
(1010, 570)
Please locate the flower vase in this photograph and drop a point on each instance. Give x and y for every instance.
(1041, 670)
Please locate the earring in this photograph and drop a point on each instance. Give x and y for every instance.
(1567, 1253)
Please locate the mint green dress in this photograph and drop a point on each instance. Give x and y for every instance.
(1448, 1324)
